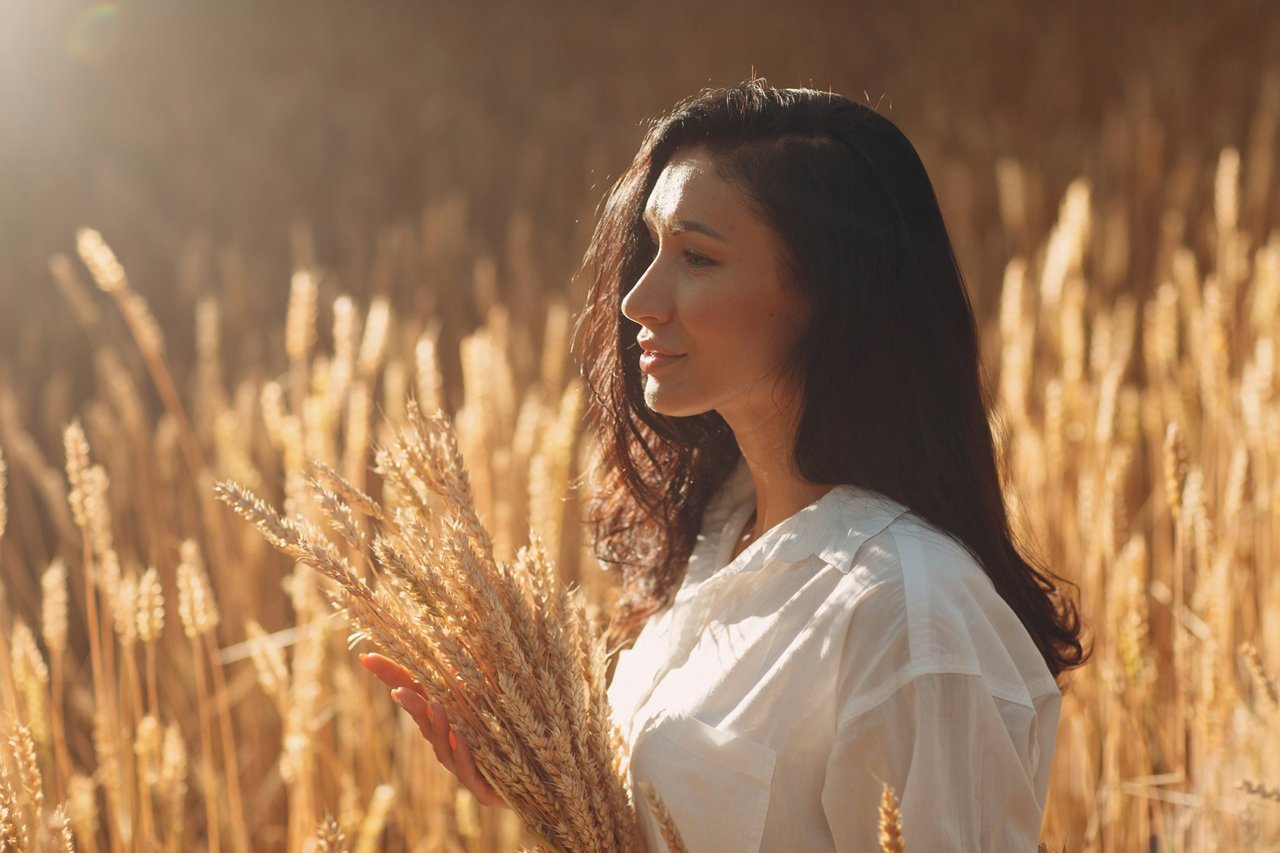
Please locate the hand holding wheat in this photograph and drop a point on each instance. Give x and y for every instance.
(433, 721)
(506, 648)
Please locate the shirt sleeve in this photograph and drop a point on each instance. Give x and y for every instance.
(963, 763)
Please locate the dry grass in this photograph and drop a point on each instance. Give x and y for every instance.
(1145, 430)
(505, 647)
(1170, 576)
(890, 822)
(178, 749)
(1135, 350)
(666, 825)
(1141, 445)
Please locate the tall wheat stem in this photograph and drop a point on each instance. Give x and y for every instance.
(1179, 646)
(145, 814)
(222, 700)
(61, 758)
(206, 753)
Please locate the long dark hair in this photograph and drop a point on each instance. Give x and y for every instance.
(893, 393)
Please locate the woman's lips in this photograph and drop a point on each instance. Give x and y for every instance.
(652, 362)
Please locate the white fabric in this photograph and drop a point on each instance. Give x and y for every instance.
(851, 644)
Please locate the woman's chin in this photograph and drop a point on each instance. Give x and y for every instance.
(666, 404)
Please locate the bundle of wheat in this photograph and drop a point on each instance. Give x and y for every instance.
(507, 649)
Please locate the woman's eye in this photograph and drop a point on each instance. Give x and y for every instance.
(697, 260)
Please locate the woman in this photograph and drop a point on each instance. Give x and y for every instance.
(820, 587)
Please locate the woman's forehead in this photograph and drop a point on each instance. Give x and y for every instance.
(690, 188)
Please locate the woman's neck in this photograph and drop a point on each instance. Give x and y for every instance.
(765, 432)
(778, 497)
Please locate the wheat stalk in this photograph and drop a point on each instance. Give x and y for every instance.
(53, 625)
(61, 828)
(111, 279)
(890, 821)
(13, 828)
(504, 647)
(173, 784)
(82, 810)
(1265, 682)
(1259, 789)
(329, 836)
(198, 612)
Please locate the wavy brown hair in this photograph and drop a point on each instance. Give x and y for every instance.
(893, 395)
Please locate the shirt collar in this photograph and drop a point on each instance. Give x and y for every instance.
(832, 528)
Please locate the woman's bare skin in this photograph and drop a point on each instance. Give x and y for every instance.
(433, 722)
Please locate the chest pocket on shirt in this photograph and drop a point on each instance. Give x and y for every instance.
(715, 784)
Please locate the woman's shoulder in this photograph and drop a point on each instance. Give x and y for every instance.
(920, 604)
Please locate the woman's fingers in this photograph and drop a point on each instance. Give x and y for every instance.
(417, 707)
(433, 721)
(408, 695)
(390, 672)
(470, 776)
(450, 748)
(440, 738)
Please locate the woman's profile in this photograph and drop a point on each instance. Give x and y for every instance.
(820, 592)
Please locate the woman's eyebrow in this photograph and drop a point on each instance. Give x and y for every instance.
(678, 225)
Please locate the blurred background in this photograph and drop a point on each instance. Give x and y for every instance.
(414, 184)
(196, 135)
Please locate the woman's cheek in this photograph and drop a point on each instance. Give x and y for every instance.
(710, 307)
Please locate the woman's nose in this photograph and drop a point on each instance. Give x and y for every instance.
(647, 299)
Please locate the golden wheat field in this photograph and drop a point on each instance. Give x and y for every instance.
(236, 239)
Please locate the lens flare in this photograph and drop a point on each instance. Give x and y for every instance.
(94, 33)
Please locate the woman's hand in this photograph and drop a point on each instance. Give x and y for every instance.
(433, 722)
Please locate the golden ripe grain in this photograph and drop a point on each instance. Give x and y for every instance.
(1130, 320)
(890, 822)
(474, 644)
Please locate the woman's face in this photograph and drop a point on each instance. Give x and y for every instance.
(716, 295)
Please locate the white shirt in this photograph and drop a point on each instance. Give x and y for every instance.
(851, 643)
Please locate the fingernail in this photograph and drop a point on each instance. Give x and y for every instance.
(453, 741)
(431, 711)
(398, 697)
